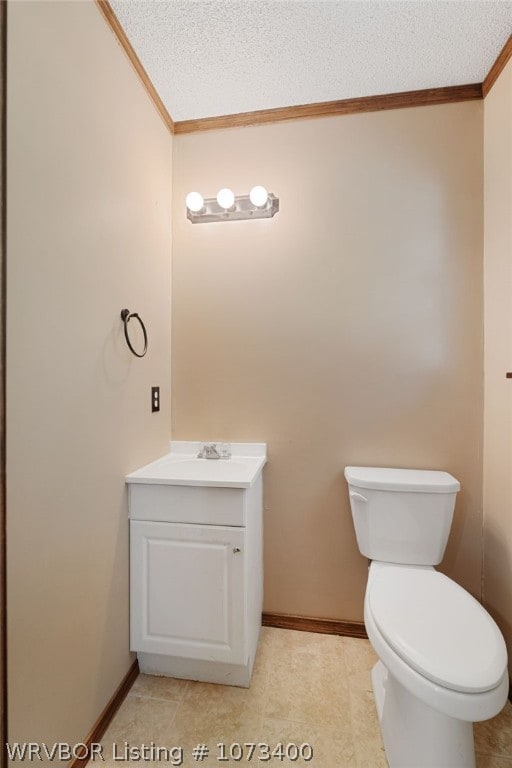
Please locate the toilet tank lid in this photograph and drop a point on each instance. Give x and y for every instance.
(407, 480)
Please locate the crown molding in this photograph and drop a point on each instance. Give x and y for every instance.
(498, 67)
(115, 25)
(422, 98)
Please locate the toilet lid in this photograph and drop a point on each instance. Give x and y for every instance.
(438, 628)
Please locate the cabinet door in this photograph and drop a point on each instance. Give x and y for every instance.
(187, 591)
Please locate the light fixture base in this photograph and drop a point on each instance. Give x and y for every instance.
(242, 209)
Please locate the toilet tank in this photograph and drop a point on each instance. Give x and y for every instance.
(402, 515)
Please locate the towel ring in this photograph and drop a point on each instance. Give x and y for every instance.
(126, 316)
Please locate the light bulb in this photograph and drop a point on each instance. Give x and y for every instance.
(258, 196)
(225, 198)
(194, 202)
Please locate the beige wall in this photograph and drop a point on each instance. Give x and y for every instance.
(498, 352)
(347, 330)
(88, 234)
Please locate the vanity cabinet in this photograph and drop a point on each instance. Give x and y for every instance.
(196, 579)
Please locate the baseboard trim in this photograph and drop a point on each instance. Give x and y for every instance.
(104, 720)
(310, 624)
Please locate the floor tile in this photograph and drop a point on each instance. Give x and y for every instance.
(491, 761)
(331, 747)
(209, 709)
(220, 738)
(494, 737)
(359, 654)
(365, 728)
(309, 687)
(139, 721)
(293, 641)
(165, 688)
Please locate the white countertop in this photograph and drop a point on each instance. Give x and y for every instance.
(182, 467)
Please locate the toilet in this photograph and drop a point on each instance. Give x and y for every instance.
(442, 659)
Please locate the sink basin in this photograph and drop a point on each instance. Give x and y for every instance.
(179, 469)
(208, 465)
(206, 469)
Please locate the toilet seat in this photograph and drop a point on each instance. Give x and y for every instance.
(436, 627)
(471, 707)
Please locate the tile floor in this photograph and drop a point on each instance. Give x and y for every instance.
(306, 688)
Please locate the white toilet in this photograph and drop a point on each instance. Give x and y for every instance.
(442, 659)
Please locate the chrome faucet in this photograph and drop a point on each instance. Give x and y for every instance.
(209, 451)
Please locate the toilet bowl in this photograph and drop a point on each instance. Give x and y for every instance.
(442, 658)
(442, 666)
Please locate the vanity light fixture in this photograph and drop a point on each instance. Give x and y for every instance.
(258, 204)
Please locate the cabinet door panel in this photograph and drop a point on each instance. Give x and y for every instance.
(187, 596)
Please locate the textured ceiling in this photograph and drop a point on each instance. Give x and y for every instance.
(227, 56)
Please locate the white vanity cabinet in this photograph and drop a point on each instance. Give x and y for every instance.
(196, 575)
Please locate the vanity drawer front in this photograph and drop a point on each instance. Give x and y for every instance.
(200, 505)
